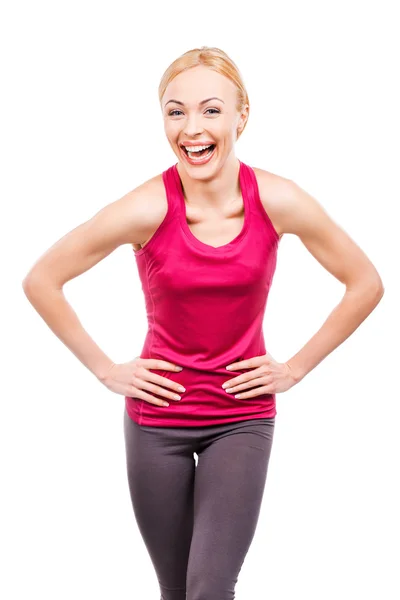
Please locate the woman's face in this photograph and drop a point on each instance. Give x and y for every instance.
(187, 121)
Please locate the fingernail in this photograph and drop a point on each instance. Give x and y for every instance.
(229, 367)
(181, 388)
(179, 368)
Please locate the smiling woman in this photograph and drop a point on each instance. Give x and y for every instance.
(206, 234)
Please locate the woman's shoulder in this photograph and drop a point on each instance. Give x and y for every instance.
(152, 206)
(273, 190)
(291, 208)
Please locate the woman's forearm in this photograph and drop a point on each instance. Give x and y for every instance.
(58, 314)
(351, 311)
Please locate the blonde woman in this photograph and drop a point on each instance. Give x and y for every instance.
(205, 233)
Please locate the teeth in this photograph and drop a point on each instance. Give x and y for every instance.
(196, 148)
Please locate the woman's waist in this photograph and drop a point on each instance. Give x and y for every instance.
(202, 355)
(199, 364)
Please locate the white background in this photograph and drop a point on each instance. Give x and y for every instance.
(81, 126)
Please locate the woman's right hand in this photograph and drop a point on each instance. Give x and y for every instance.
(133, 379)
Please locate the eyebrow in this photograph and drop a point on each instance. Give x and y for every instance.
(200, 103)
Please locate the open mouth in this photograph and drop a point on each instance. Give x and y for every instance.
(202, 155)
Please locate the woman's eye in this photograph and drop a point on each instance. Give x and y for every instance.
(216, 111)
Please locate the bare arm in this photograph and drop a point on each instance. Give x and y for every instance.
(302, 215)
(120, 222)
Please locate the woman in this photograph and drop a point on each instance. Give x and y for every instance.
(205, 233)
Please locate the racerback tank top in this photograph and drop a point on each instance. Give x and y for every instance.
(205, 307)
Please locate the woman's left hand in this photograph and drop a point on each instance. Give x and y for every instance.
(270, 376)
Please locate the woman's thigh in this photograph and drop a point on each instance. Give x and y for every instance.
(229, 485)
(161, 472)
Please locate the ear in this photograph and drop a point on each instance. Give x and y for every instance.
(244, 115)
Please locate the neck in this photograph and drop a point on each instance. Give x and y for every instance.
(215, 190)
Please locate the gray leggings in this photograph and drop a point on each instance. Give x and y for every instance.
(197, 521)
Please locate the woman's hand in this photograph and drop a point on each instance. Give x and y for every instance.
(133, 378)
(271, 377)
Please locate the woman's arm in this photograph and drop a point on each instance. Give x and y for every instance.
(120, 222)
(299, 213)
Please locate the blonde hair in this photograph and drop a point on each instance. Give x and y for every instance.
(215, 59)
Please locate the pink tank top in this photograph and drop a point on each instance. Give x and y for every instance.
(205, 307)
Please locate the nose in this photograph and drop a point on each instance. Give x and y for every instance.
(193, 126)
